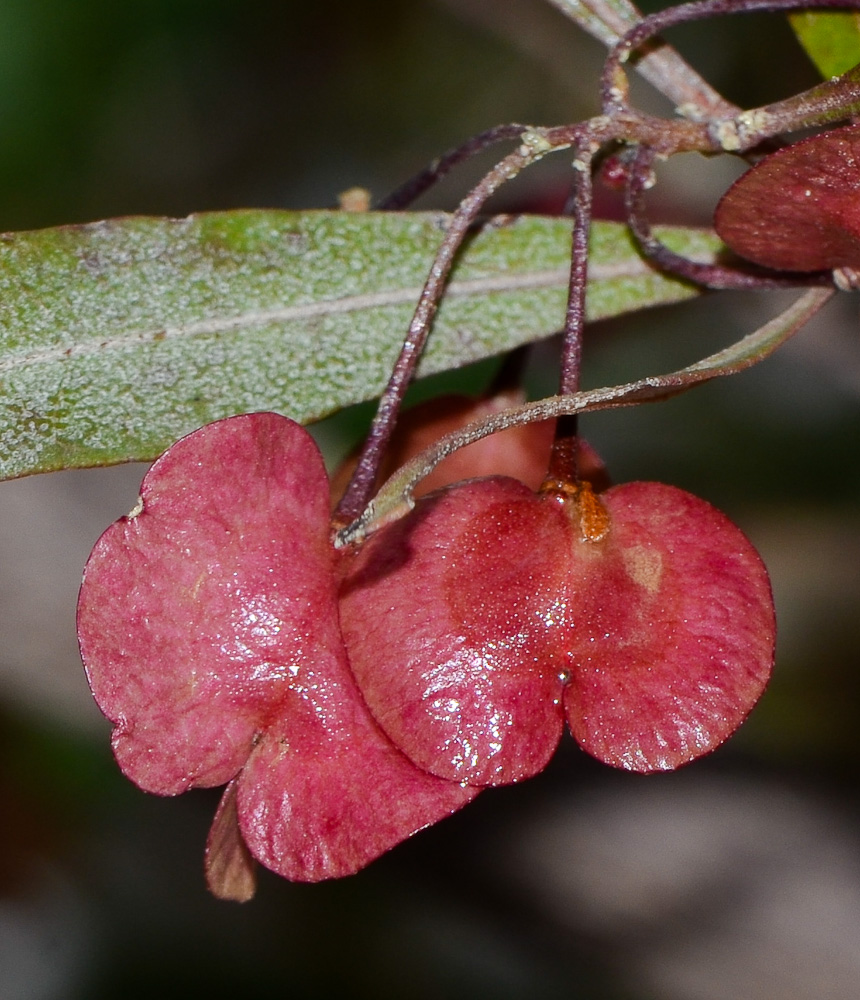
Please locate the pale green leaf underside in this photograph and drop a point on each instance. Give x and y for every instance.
(831, 39)
(118, 337)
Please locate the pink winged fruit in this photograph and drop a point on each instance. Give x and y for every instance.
(208, 627)
(488, 616)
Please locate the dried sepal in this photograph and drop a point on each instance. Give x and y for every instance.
(231, 871)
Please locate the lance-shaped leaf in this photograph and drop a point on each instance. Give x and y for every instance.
(117, 338)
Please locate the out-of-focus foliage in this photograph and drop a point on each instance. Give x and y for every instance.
(832, 39)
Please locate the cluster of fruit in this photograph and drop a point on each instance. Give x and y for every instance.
(349, 696)
(353, 697)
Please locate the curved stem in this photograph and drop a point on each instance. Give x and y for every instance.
(708, 275)
(395, 499)
(412, 189)
(661, 66)
(614, 83)
(363, 480)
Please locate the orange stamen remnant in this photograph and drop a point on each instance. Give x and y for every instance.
(582, 504)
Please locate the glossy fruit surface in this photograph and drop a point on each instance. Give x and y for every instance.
(444, 615)
(672, 642)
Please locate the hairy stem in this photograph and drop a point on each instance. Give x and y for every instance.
(564, 460)
(412, 189)
(708, 275)
(614, 85)
(363, 481)
(395, 499)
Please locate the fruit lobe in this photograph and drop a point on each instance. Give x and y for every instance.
(673, 641)
(193, 612)
(799, 208)
(445, 618)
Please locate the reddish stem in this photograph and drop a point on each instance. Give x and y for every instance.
(412, 189)
(564, 460)
(708, 275)
(361, 486)
(614, 92)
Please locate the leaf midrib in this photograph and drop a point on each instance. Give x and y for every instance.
(248, 319)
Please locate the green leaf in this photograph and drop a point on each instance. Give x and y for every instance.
(831, 39)
(118, 337)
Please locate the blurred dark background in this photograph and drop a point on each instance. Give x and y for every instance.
(736, 877)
